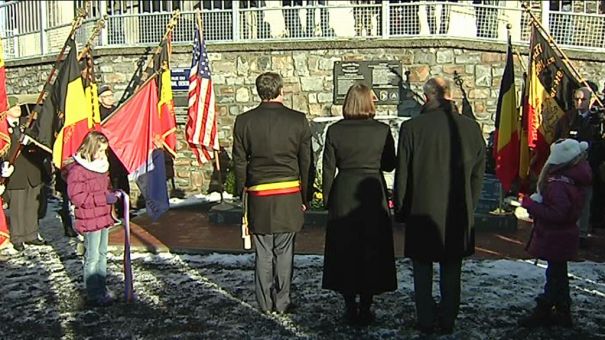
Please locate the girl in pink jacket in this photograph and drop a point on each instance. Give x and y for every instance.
(88, 188)
(555, 209)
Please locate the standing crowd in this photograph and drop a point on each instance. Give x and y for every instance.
(439, 165)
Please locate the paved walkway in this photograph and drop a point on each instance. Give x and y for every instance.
(188, 230)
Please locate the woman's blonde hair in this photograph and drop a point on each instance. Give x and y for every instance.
(548, 169)
(91, 145)
(359, 103)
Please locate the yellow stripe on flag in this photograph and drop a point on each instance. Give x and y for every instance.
(509, 118)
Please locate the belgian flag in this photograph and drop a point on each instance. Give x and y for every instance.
(71, 104)
(507, 126)
(161, 64)
(550, 85)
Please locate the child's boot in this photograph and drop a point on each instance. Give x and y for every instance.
(540, 316)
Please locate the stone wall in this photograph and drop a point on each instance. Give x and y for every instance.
(307, 69)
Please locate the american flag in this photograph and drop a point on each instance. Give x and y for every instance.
(201, 131)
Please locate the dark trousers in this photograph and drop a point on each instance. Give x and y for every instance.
(449, 285)
(556, 289)
(273, 274)
(23, 205)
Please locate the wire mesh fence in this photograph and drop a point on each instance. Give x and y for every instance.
(33, 28)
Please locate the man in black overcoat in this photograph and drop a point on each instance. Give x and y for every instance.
(24, 187)
(440, 165)
(273, 168)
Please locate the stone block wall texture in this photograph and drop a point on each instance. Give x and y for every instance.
(307, 70)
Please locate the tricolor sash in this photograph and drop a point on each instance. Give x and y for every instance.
(276, 188)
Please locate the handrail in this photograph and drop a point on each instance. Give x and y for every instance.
(128, 24)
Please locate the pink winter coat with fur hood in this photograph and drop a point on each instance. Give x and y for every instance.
(87, 186)
(556, 235)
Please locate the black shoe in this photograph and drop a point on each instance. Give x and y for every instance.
(19, 246)
(37, 242)
(541, 316)
(365, 318)
(446, 329)
(290, 308)
(425, 329)
(351, 315)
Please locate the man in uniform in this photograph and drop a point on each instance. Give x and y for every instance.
(438, 178)
(24, 187)
(273, 168)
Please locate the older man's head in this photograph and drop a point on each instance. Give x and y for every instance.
(437, 88)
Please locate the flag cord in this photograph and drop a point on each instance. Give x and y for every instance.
(553, 43)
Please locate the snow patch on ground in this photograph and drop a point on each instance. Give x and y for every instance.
(212, 296)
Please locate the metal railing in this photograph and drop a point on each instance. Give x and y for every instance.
(29, 28)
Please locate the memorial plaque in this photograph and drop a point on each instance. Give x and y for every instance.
(380, 75)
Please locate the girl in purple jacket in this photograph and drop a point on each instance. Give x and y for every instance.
(556, 208)
(88, 189)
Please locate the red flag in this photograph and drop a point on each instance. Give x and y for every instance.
(5, 139)
(134, 129)
(201, 131)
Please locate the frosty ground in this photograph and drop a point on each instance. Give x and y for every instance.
(212, 296)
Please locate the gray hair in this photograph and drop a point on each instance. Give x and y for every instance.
(437, 88)
(587, 92)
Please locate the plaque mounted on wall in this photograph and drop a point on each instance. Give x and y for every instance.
(380, 75)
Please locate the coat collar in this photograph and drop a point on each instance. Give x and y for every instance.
(98, 165)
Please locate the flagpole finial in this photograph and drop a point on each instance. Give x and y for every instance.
(509, 26)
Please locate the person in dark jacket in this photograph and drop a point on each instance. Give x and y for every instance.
(555, 209)
(438, 178)
(575, 124)
(359, 257)
(24, 187)
(117, 171)
(88, 189)
(272, 158)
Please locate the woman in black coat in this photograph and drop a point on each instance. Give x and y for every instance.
(359, 257)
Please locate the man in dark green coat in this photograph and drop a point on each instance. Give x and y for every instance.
(440, 165)
(273, 168)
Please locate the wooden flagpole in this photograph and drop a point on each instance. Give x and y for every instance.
(553, 44)
(76, 23)
(217, 162)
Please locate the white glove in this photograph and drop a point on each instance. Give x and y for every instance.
(536, 197)
(2, 188)
(26, 140)
(6, 169)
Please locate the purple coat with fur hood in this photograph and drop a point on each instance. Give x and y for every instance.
(556, 234)
(87, 187)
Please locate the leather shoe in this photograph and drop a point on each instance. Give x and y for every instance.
(18, 246)
(425, 329)
(37, 242)
(290, 308)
